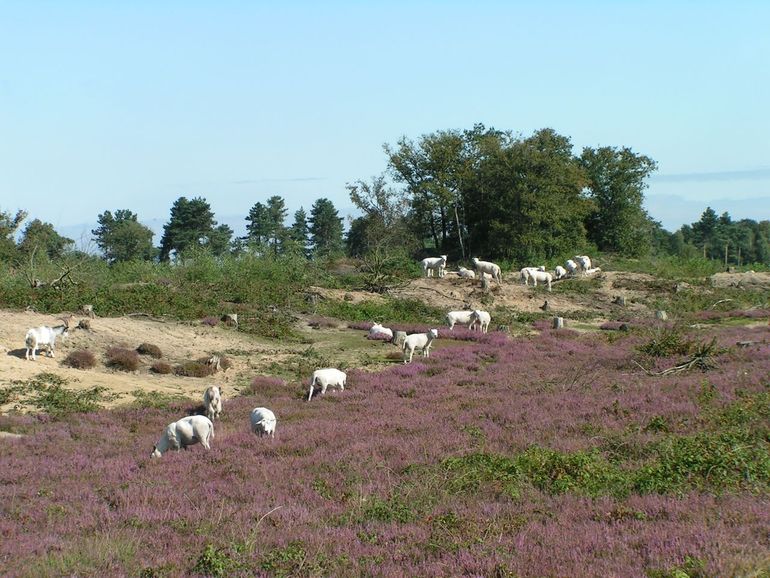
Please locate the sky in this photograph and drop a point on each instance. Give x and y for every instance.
(131, 105)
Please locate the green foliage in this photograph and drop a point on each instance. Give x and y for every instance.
(157, 399)
(325, 229)
(665, 341)
(213, 562)
(46, 393)
(192, 226)
(291, 560)
(41, 239)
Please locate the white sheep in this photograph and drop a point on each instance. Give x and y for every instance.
(463, 317)
(212, 400)
(560, 272)
(583, 262)
(326, 377)
(263, 422)
(430, 264)
(377, 331)
(466, 273)
(480, 318)
(571, 267)
(419, 341)
(542, 276)
(525, 273)
(185, 432)
(44, 336)
(488, 267)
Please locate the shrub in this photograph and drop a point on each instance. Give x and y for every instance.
(161, 367)
(194, 369)
(80, 359)
(150, 349)
(666, 341)
(122, 358)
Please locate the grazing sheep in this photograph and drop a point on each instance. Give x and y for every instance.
(542, 276)
(419, 341)
(44, 336)
(560, 272)
(480, 318)
(326, 377)
(377, 331)
(185, 432)
(263, 422)
(430, 264)
(571, 267)
(212, 400)
(488, 267)
(466, 273)
(463, 317)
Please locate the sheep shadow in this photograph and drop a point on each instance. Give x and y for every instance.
(20, 353)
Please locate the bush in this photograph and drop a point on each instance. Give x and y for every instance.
(122, 358)
(194, 369)
(80, 359)
(161, 367)
(150, 349)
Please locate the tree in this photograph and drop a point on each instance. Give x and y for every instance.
(616, 183)
(258, 228)
(121, 237)
(526, 202)
(325, 229)
(8, 227)
(42, 239)
(298, 234)
(192, 225)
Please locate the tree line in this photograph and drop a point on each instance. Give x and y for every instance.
(477, 192)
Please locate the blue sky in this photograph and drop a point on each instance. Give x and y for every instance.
(130, 105)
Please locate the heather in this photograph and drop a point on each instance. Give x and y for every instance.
(554, 454)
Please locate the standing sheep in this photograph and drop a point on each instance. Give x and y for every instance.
(326, 377)
(44, 336)
(212, 400)
(429, 264)
(263, 422)
(185, 432)
(454, 317)
(488, 267)
(419, 341)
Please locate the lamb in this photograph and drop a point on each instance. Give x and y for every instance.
(185, 432)
(44, 336)
(480, 318)
(212, 400)
(542, 276)
(466, 273)
(377, 331)
(429, 264)
(560, 272)
(263, 422)
(326, 377)
(454, 317)
(488, 267)
(419, 341)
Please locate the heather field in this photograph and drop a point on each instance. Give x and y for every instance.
(553, 454)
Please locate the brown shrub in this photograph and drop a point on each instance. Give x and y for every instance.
(80, 359)
(161, 367)
(122, 358)
(194, 369)
(150, 349)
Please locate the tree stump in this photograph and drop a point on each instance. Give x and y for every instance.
(558, 322)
